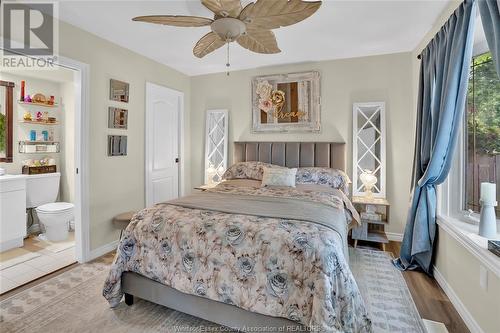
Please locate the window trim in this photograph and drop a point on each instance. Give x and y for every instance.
(453, 219)
(9, 108)
(460, 231)
(473, 216)
(452, 194)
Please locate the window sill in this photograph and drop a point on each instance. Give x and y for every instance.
(467, 235)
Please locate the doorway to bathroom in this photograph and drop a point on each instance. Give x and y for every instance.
(49, 131)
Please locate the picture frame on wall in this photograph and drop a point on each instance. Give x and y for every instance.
(286, 102)
(118, 91)
(117, 145)
(117, 118)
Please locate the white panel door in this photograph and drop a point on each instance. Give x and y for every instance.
(163, 107)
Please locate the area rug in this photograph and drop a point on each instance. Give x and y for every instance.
(72, 302)
(385, 292)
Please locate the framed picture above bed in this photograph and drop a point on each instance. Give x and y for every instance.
(286, 103)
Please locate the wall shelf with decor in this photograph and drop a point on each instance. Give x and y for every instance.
(38, 122)
(39, 104)
(34, 147)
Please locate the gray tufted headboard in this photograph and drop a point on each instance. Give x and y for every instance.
(293, 154)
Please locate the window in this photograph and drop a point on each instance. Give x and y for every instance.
(482, 146)
(6, 121)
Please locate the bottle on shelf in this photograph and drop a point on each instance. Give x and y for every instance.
(23, 84)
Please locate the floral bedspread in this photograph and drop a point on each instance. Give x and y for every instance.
(277, 267)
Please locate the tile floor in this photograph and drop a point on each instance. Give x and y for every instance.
(47, 262)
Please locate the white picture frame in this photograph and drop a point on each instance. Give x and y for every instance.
(300, 109)
(216, 145)
(369, 146)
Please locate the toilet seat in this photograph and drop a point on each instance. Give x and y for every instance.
(55, 208)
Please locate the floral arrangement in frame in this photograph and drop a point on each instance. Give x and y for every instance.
(286, 102)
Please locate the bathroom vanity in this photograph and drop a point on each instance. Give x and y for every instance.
(12, 211)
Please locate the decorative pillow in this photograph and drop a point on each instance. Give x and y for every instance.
(279, 177)
(334, 178)
(247, 170)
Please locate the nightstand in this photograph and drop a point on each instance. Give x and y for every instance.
(374, 213)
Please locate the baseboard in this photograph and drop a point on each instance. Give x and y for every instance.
(457, 303)
(393, 236)
(102, 250)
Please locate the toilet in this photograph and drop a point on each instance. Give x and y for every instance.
(41, 194)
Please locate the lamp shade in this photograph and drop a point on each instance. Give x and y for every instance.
(369, 180)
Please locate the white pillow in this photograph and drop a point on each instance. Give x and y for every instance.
(279, 177)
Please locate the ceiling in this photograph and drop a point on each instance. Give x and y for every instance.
(340, 29)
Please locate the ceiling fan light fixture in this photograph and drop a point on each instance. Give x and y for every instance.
(249, 25)
(228, 28)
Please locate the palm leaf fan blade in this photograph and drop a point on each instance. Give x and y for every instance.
(277, 13)
(175, 20)
(259, 41)
(223, 8)
(207, 44)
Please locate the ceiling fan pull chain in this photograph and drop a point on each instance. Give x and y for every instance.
(228, 65)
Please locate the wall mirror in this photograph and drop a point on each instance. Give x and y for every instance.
(117, 118)
(215, 145)
(6, 121)
(117, 145)
(118, 91)
(286, 102)
(368, 165)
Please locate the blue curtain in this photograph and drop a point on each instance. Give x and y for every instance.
(490, 17)
(444, 72)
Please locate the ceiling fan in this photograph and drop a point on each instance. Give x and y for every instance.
(250, 26)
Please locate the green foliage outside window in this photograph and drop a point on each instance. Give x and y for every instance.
(483, 98)
(2, 133)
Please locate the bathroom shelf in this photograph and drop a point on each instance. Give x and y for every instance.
(38, 122)
(39, 104)
(36, 147)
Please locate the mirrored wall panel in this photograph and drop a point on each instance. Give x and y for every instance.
(369, 149)
(215, 146)
(117, 118)
(118, 91)
(117, 145)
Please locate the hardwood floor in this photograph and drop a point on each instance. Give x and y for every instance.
(431, 301)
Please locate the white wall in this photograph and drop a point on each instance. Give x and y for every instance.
(379, 78)
(117, 183)
(67, 107)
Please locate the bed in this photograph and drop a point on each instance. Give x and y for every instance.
(247, 257)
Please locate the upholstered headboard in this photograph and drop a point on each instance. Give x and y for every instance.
(292, 154)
